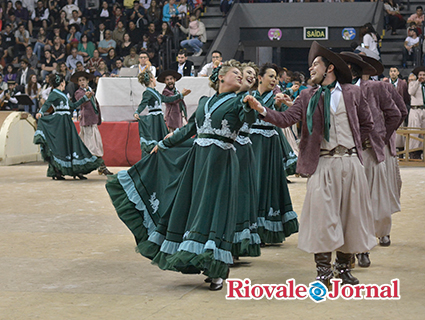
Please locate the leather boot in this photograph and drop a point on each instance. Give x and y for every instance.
(324, 268)
(342, 268)
(363, 259)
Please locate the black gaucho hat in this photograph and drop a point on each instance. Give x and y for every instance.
(317, 50)
(79, 74)
(418, 69)
(379, 67)
(354, 58)
(166, 73)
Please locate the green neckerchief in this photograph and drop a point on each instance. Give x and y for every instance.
(93, 102)
(394, 82)
(423, 93)
(314, 101)
(354, 81)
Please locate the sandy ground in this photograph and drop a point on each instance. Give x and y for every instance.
(64, 254)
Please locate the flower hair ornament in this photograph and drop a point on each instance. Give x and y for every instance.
(146, 77)
(57, 79)
(214, 74)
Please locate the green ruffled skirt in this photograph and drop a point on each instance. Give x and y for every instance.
(62, 148)
(152, 129)
(276, 218)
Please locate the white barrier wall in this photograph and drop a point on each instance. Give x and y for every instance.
(120, 97)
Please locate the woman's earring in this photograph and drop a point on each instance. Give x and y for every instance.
(221, 80)
(261, 82)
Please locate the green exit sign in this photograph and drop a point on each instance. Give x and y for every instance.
(315, 33)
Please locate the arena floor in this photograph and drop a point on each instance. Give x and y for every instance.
(64, 254)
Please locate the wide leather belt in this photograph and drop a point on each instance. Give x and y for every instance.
(257, 126)
(417, 107)
(338, 151)
(155, 110)
(215, 136)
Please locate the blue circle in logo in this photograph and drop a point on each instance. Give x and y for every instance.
(348, 33)
(317, 291)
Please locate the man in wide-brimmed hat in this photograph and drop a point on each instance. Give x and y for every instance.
(24, 73)
(337, 210)
(391, 163)
(417, 109)
(386, 119)
(174, 111)
(90, 118)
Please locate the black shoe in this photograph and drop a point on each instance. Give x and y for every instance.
(58, 177)
(80, 176)
(363, 259)
(105, 171)
(216, 286)
(208, 280)
(346, 276)
(385, 241)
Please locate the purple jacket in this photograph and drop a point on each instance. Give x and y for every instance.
(88, 116)
(400, 102)
(386, 116)
(359, 116)
(173, 114)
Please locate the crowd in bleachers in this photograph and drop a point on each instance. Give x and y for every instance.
(61, 36)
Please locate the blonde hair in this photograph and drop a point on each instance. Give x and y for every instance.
(224, 68)
(145, 77)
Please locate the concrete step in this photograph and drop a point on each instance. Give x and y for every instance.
(392, 59)
(212, 22)
(212, 11)
(212, 33)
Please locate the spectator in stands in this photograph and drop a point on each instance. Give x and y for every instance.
(9, 96)
(110, 59)
(10, 74)
(56, 33)
(33, 90)
(44, 91)
(118, 33)
(29, 5)
(24, 73)
(126, 45)
(54, 9)
(410, 43)
(182, 10)
(3, 84)
(58, 50)
(102, 70)
(71, 7)
(21, 13)
(106, 44)
(63, 24)
(285, 77)
(99, 33)
(8, 10)
(9, 41)
(145, 42)
(63, 70)
(371, 38)
(296, 86)
(48, 64)
(105, 14)
(39, 17)
(42, 41)
(137, 15)
(197, 36)
(12, 21)
(169, 12)
(87, 27)
(198, 7)
(144, 63)
(94, 61)
(225, 6)
(156, 53)
(152, 34)
(134, 33)
(73, 38)
(75, 19)
(132, 59)
(85, 48)
(154, 14)
(393, 18)
(417, 17)
(118, 16)
(72, 59)
(117, 69)
(22, 38)
(216, 57)
(166, 31)
(182, 65)
(31, 57)
(3, 53)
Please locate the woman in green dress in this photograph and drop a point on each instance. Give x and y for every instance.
(152, 127)
(195, 219)
(246, 241)
(276, 218)
(57, 136)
